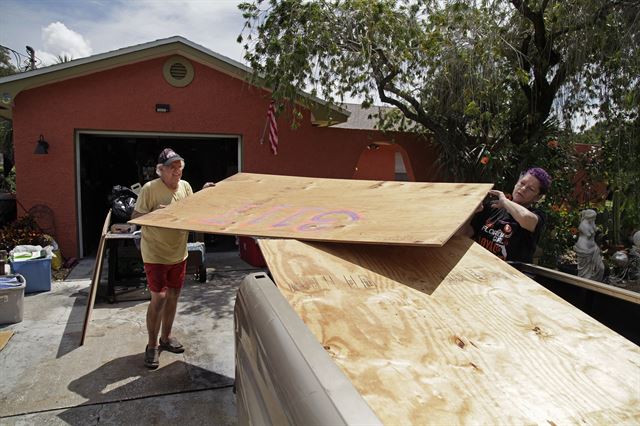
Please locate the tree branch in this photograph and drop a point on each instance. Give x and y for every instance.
(602, 13)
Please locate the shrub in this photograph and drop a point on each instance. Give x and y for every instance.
(23, 231)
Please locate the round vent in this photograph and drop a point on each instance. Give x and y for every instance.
(178, 71)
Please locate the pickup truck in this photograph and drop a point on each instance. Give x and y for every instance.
(284, 375)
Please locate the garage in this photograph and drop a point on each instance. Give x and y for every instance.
(105, 118)
(106, 159)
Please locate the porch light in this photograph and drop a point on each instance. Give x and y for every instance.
(42, 146)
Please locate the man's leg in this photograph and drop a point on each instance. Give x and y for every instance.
(154, 316)
(175, 281)
(169, 312)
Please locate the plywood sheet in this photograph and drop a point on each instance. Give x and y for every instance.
(95, 277)
(4, 338)
(453, 335)
(407, 213)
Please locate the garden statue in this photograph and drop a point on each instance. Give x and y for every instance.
(590, 263)
(634, 255)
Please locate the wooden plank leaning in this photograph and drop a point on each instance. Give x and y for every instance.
(454, 335)
(95, 277)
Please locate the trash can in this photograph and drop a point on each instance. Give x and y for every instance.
(36, 272)
(11, 298)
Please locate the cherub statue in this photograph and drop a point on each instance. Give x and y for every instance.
(590, 263)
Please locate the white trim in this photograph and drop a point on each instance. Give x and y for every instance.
(78, 198)
(78, 160)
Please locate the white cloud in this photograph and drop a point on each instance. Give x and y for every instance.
(212, 24)
(78, 28)
(60, 40)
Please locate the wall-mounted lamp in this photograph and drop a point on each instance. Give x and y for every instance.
(42, 146)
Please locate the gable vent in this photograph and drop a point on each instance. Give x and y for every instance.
(178, 71)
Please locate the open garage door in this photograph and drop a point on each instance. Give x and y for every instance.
(108, 159)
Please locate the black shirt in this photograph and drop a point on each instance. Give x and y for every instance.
(497, 231)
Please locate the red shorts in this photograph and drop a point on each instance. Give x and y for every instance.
(161, 276)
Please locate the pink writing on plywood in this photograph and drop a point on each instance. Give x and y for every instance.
(283, 216)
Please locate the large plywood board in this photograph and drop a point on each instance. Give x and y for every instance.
(95, 277)
(453, 335)
(408, 213)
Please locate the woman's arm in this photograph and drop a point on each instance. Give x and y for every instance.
(527, 219)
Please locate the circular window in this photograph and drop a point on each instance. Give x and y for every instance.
(178, 71)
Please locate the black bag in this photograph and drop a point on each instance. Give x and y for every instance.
(123, 201)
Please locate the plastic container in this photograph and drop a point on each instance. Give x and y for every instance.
(250, 252)
(36, 272)
(11, 301)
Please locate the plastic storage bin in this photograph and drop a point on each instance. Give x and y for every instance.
(11, 300)
(36, 272)
(250, 252)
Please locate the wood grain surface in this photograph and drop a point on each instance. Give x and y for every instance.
(95, 277)
(453, 335)
(407, 213)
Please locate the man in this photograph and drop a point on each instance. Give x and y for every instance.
(510, 229)
(164, 253)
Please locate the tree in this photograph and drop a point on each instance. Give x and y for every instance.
(6, 128)
(6, 67)
(480, 77)
(61, 59)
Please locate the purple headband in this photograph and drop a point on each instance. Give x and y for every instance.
(542, 176)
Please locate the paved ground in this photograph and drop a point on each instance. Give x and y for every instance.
(46, 378)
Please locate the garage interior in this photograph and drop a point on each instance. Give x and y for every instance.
(107, 160)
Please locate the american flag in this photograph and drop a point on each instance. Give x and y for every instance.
(273, 127)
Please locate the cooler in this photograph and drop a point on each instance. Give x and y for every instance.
(36, 272)
(250, 252)
(11, 298)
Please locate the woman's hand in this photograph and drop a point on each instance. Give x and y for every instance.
(521, 214)
(208, 185)
(501, 202)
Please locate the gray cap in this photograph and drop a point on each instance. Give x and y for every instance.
(168, 156)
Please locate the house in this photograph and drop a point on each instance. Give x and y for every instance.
(104, 119)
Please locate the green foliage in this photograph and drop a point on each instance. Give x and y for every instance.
(23, 231)
(492, 82)
(474, 75)
(7, 171)
(6, 67)
(6, 130)
(8, 182)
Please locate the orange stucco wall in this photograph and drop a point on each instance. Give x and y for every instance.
(124, 99)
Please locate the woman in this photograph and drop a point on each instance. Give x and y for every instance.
(511, 228)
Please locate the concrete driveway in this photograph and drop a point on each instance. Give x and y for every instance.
(46, 378)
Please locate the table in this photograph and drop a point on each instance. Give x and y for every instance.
(123, 246)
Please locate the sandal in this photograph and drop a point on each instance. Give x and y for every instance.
(151, 357)
(172, 345)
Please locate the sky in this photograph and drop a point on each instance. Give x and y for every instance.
(81, 28)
